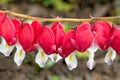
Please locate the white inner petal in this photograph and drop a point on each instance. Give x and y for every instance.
(91, 61)
(55, 57)
(19, 55)
(41, 58)
(92, 49)
(5, 48)
(110, 56)
(71, 61)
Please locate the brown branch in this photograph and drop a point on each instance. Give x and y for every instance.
(91, 19)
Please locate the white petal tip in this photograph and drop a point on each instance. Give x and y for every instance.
(71, 61)
(18, 63)
(41, 64)
(5, 48)
(109, 62)
(110, 56)
(55, 57)
(91, 64)
(19, 56)
(70, 67)
(6, 55)
(41, 58)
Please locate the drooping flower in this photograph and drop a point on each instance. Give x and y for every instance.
(20, 53)
(85, 40)
(41, 57)
(83, 37)
(104, 39)
(116, 40)
(59, 33)
(7, 33)
(111, 54)
(68, 50)
(46, 41)
(7, 30)
(26, 38)
(103, 31)
(37, 27)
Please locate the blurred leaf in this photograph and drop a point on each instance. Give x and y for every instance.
(37, 68)
(118, 11)
(82, 55)
(3, 2)
(29, 21)
(27, 60)
(35, 0)
(59, 5)
(49, 64)
(48, 2)
(66, 28)
(54, 77)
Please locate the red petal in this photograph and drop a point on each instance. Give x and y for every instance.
(18, 25)
(58, 32)
(26, 36)
(116, 41)
(32, 48)
(37, 27)
(47, 39)
(103, 31)
(67, 47)
(2, 17)
(8, 31)
(84, 36)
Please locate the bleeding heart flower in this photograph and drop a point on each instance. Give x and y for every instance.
(46, 41)
(83, 37)
(68, 50)
(20, 53)
(18, 25)
(2, 16)
(67, 47)
(59, 33)
(7, 32)
(111, 54)
(41, 57)
(103, 31)
(26, 38)
(37, 27)
(116, 41)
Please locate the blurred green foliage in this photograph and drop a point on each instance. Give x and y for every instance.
(118, 11)
(66, 28)
(82, 55)
(54, 77)
(27, 60)
(58, 5)
(4, 2)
